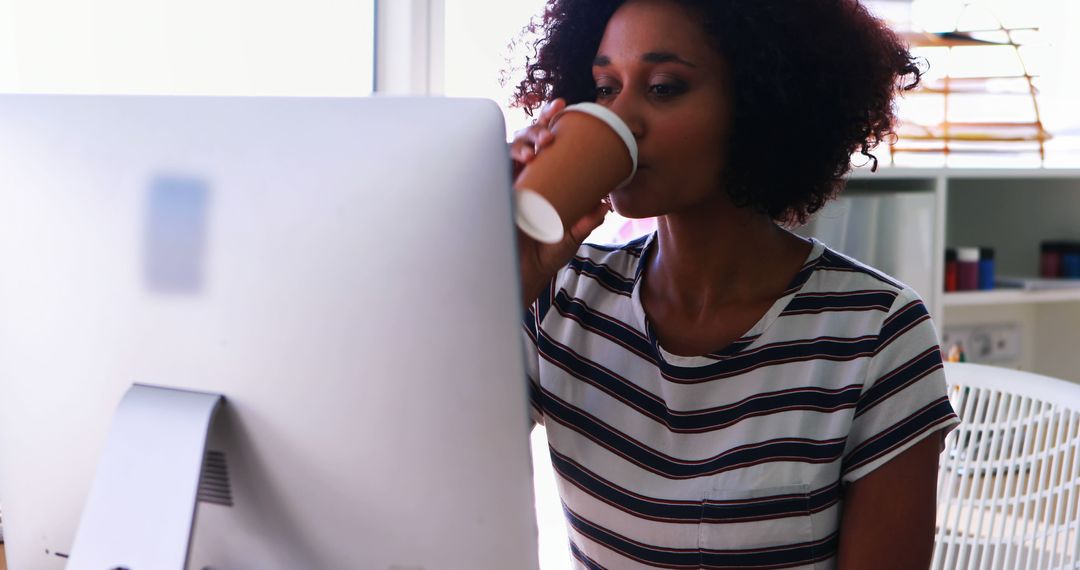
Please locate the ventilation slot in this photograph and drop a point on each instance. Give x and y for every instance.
(214, 486)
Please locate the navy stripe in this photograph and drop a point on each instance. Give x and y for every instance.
(529, 323)
(735, 347)
(824, 348)
(833, 261)
(775, 557)
(640, 269)
(901, 432)
(633, 503)
(543, 302)
(662, 557)
(535, 399)
(812, 303)
(603, 325)
(623, 334)
(604, 275)
(778, 506)
(781, 449)
(692, 512)
(632, 247)
(600, 377)
(641, 251)
(899, 378)
(584, 560)
(697, 421)
(781, 557)
(829, 348)
(802, 276)
(906, 318)
(806, 398)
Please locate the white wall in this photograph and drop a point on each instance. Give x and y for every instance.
(188, 47)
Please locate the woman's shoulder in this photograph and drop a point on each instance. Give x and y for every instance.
(842, 286)
(845, 273)
(633, 248)
(613, 268)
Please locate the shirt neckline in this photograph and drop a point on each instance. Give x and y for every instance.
(748, 339)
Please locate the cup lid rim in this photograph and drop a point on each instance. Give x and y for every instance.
(615, 122)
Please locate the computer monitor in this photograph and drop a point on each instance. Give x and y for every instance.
(342, 270)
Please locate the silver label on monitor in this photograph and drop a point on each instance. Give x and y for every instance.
(175, 234)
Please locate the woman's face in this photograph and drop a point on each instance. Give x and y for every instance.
(657, 70)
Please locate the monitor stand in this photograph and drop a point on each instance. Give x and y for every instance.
(141, 508)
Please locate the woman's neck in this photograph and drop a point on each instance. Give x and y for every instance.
(717, 256)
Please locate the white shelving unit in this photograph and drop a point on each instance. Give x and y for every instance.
(1010, 210)
(1008, 297)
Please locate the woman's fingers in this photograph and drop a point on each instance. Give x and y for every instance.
(525, 152)
(550, 109)
(527, 139)
(544, 137)
(528, 142)
(539, 134)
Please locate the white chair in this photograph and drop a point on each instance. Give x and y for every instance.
(1008, 480)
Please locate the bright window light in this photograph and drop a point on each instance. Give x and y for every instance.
(189, 47)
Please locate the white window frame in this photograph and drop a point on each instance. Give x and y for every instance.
(409, 42)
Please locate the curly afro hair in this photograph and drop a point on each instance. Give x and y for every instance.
(820, 72)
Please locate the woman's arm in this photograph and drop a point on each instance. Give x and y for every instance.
(540, 262)
(888, 517)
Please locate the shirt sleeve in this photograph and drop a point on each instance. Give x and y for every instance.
(904, 399)
(534, 315)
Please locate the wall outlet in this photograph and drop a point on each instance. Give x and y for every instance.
(986, 343)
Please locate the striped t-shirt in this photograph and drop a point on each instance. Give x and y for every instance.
(736, 459)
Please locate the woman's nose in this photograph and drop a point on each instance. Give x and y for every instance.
(629, 111)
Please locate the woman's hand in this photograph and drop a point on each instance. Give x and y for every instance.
(528, 142)
(540, 261)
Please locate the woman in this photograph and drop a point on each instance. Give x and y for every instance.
(723, 393)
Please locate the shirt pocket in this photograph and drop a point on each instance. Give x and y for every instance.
(751, 526)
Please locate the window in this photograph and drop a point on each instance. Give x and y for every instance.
(194, 47)
(485, 51)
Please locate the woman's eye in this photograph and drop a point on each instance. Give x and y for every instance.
(658, 90)
(665, 89)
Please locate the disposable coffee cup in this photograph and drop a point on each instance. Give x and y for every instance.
(592, 154)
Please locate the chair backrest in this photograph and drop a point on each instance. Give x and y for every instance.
(1008, 479)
